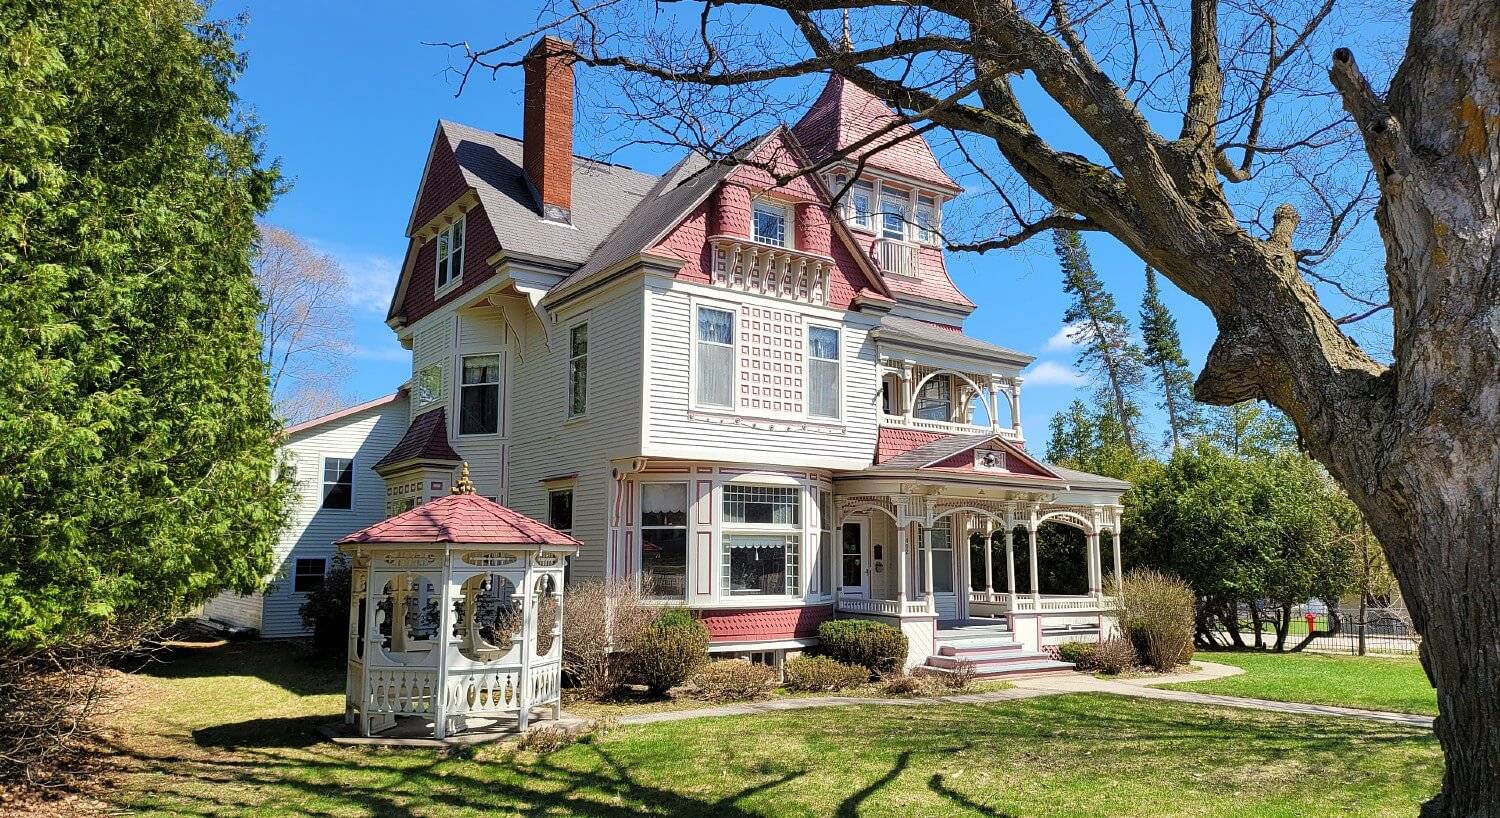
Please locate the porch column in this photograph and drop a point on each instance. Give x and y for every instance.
(994, 405)
(906, 390)
(1015, 406)
(1010, 560)
(1036, 591)
(903, 541)
(989, 568)
(1115, 538)
(927, 567)
(1094, 562)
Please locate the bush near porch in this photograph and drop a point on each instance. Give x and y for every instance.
(231, 731)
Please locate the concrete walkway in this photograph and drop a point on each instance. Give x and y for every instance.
(1053, 685)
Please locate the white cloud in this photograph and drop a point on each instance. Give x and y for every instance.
(372, 280)
(387, 351)
(1052, 373)
(1064, 339)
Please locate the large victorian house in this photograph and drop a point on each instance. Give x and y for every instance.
(754, 398)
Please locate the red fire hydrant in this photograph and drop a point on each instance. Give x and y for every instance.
(1311, 620)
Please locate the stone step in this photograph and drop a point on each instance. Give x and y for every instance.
(983, 661)
(953, 635)
(1006, 669)
(1001, 650)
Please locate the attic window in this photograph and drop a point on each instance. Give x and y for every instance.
(861, 194)
(926, 219)
(450, 254)
(768, 224)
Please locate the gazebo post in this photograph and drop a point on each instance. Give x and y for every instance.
(364, 666)
(528, 645)
(444, 636)
(557, 640)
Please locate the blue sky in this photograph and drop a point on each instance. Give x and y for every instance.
(349, 96)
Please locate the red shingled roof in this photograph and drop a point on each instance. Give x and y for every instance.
(891, 442)
(845, 114)
(461, 518)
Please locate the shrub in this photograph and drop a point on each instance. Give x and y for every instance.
(906, 684)
(603, 616)
(956, 678)
(667, 651)
(733, 680)
(1158, 617)
(1080, 654)
(1114, 655)
(878, 647)
(820, 673)
(326, 610)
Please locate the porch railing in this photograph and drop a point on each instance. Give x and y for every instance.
(896, 257)
(1002, 602)
(904, 422)
(882, 607)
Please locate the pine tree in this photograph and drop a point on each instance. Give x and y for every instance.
(135, 421)
(1103, 332)
(1163, 355)
(1090, 440)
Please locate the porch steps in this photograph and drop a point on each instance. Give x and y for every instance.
(991, 650)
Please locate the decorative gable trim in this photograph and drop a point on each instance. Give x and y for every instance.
(446, 216)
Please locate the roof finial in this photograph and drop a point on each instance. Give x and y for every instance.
(462, 484)
(847, 43)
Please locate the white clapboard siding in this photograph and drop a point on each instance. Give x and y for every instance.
(671, 422)
(234, 610)
(363, 436)
(544, 443)
(481, 331)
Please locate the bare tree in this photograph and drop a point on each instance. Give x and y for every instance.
(1207, 136)
(304, 326)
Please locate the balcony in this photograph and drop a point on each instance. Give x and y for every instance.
(946, 427)
(896, 257)
(779, 272)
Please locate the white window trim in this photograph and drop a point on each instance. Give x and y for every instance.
(726, 529)
(568, 371)
(441, 289)
(789, 217)
(851, 219)
(895, 194)
(640, 482)
(807, 359)
(934, 238)
(458, 394)
(694, 305)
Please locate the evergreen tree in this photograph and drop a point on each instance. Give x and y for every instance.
(1163, 355)
(135, 422)
(1103, 333)
(1091, 441)
(1250, 429)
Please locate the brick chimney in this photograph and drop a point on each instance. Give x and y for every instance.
(547, 133)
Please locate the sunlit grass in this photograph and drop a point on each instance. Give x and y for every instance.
(1368, 682)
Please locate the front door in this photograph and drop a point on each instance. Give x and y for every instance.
(855, 580)
(944, 582)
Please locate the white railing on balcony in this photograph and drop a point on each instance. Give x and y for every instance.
(882, 607)
(896, 257)
(903, 422)
(780, 272)
(1002, 602)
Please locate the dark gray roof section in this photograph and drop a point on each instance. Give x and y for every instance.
(922, 335)
(1076, 477)
(603, 194)
(931, 452)
(667, 203)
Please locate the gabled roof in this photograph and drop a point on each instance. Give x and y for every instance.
(425, 441)
(924, 335)
(461, 518)
(345, 412)
(909, 450)
(844, 114)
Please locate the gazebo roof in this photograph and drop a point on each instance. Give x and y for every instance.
(461, 518)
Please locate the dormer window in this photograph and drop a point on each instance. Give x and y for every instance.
(768, 224)
(861, 197)
(926, 219)
(450, 254)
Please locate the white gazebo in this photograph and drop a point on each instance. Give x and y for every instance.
(456, 611)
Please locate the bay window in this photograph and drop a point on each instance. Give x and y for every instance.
(664, 540)
(762, 541)
(823, 372)
(479, 401)
(715, 353)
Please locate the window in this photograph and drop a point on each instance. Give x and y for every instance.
(893, 216)
(397, 505)
(560, 509)
(826, 543)
(934, 400)
(861, 195)
(942, 561)
(715, 357)
(338, 482)
(926, 218)
(450, 254)
(427, 386)
(768, 224)
(578, 370)
(308, 575)
(823, 372)
(763, 559)
(664, 540)
(479, 408)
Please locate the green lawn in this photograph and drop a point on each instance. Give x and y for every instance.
(229, 731)
(1351, 681)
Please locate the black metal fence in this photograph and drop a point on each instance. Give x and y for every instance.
(1383, 631)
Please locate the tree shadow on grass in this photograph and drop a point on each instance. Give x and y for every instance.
(300, 731)
(290, 665)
